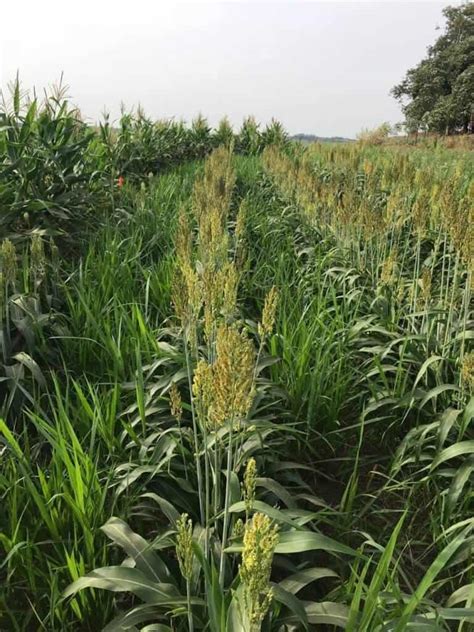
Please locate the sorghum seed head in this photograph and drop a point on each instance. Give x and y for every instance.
(387, 276)
(238, 530)
(38, 259)
(203, 392)
(425, 283)
(184, 546)
(260, 541)
(179, 297)
(176, 404)
(269, 312)
(250, 483)
(9, 265)
(233, 375)
(467, 370)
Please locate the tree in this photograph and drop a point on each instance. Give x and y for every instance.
(437, 95)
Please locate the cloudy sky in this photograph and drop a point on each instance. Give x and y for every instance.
(319, 67)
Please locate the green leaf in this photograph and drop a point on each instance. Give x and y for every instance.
(457, 614)
(294, 583)
(448, 418)
(327, 613)
(289, 600)
(303, 541)
(460, 479)
(138, 548)
(437, 390)
(464, 594)
(167, 508)
(424, 367)
(427, 581)
(463, 447)
(234, 618)
(278, 490)
(281, 516)
(27, 361)
(124, 579)
(380, 575)
(133, 617)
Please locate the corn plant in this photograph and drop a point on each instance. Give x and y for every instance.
(46, 179)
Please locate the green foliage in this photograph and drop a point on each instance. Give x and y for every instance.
(323, 480)
(47, 181)
(58, 173)
(440, 88)
(28, 304)
(140, 147)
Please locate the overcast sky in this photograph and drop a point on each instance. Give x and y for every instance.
(319, 67)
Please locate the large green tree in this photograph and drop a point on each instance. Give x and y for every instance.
(438, 94)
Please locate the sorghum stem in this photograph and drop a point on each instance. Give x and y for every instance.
(226, 505)
(195, 432)
(190, 612)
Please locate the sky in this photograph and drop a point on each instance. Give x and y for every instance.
(324, 68)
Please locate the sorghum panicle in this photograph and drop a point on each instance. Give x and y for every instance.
(184, 546)
(176, 404)
(9, 264)
(260, 541)
(249, 486)
(233, 375)
(265, 328)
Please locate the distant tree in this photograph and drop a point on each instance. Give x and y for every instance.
(437, 95)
